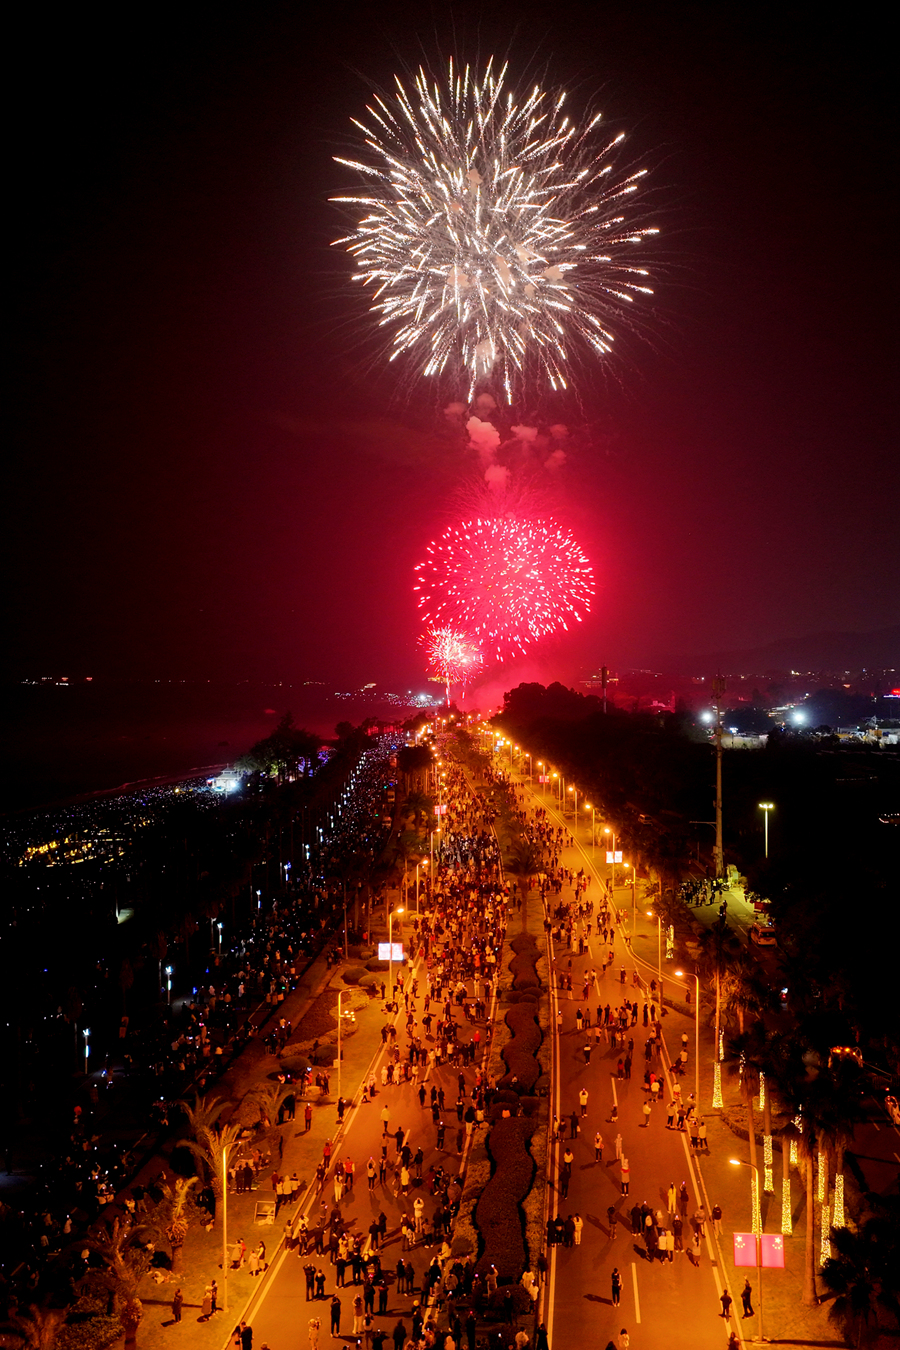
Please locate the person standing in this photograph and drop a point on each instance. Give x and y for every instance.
(717, 1219)
(616, 1287)
(177, 1304)
(335, 1317)
(747, 1299)
(646, 1113)
(583, 1101)
(726, 1301)
(314, 1325)
(598, 1147)
(626, 1175)
(624, 1339)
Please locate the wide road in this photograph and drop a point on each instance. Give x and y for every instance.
(662, 1304)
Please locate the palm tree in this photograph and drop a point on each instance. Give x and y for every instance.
(420, 804)
(33, 1328)
(269, 1098)
(863, 1276)
(523, 863)
(171, 1220)
(744, 1054)
(209, 1141)
(127, 1261)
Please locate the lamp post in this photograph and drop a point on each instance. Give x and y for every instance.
(696, 978)
(423, 862)
(575, 828)
(757, 1234)
(258, 901)
(630, 867)
(225, 1148)
(169, 973)
(766, 807)
(340, 1046)
(87, 1047)
(651, 915)
(612, 884)
(219, 928)
(399, 910)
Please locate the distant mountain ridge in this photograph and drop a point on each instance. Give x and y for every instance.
(825, 652)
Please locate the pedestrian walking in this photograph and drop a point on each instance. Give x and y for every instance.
(616, 1287)
(612, 1219)
(717, 1219)
(335, 1317)
(726, 1300)
(626, 1175)
(747, 1299)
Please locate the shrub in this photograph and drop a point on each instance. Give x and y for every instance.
(353, 974)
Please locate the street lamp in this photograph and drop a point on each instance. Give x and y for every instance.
(399, 910)
(630, 867)
(696, 978)
(575, 828)
(757, 1233)
(258, 901)
(767, 807)
(225, 1148)
(87, 1047)
(169, 971)
(588, 807)
(651, 915)
(423, 862)
(612, 857)
(340, 1047)
(219, 926)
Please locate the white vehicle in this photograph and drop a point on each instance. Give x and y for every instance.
(763, 934)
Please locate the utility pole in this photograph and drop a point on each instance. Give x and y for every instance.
(718, 689)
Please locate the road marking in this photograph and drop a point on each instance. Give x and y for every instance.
(637, 1301)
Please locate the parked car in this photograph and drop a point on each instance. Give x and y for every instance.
(763, 934)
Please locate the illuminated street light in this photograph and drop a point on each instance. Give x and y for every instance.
(767, 807)
(683, 975)
(757, 1233)
(651, 915)
(87, 1047)
(399, 910)
(169, 972)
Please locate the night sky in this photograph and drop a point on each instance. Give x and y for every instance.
(210, 476)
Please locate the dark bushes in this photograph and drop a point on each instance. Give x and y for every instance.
(498, 1214)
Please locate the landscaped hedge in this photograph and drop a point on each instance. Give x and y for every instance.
(498, 1213)
(519, 1055)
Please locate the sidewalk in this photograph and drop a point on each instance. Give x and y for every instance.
(312, 1010)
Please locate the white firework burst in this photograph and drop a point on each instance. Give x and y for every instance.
(492, 236)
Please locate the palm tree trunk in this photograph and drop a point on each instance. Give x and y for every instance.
(809, 1256)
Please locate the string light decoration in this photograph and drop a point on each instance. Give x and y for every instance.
(838, 1219)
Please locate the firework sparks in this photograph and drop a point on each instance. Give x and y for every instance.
(492, 234)
(455, 658)
(507, 581)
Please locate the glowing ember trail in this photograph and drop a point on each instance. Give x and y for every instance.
(490, 230)
(452, 656)
(507, 581)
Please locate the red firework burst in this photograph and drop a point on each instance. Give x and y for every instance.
(508, 582)
(455, 658)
